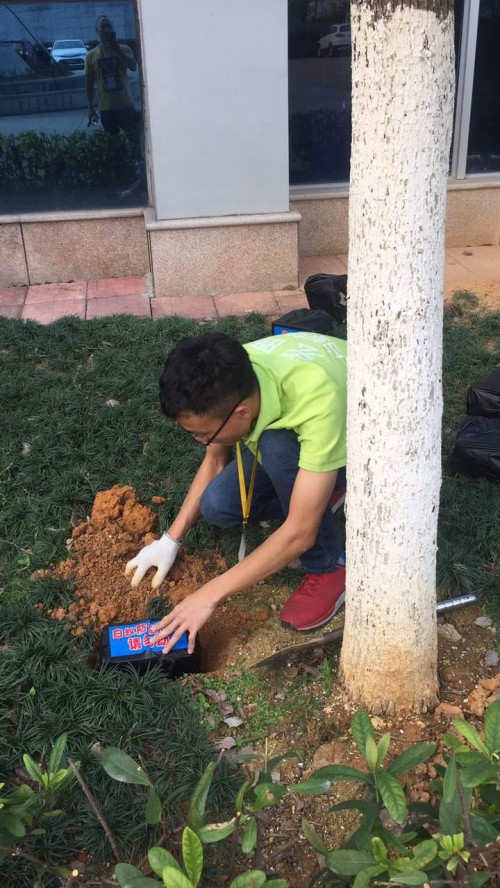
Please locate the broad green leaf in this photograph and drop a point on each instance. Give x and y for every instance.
(365, 876)
(361, 728)
(267, 794)
(470, 734)
(248, 838)
(371, 753)
(492, 727)
(341, 772)
(198, 801)
(276, 883)
(380, 852)
(174, 878)
(410, 877)
(450, 781)
(238, 802)
(57, 753)
(122, 767)
(393, 796)
(38, 832)
(159, 858)
(450, 814)
(424, 853)
(153, 808)
(476, 880)
(411, 757)
(482, 830)
(252, 879)
(382, 748)
(477, 773)
(313, 786)
(362, 805)
(57, 779)
(313, 839)
(348, 863)
(33, 769)
(192, 855)
(146, 882)
(13, 825)
(126, 873)
(215, 832)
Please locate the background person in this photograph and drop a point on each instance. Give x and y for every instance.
(286, 397)
(106, 69)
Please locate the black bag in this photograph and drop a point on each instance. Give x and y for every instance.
(324, 291)
(304, 320)
(477, 448)
(483, 398)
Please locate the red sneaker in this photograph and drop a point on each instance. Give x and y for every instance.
(315, 601)
(337, 499)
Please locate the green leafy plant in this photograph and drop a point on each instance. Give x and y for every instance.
(26, 811)
(467, 814)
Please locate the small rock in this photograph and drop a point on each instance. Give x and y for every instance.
(484, 622)
(26, 449)
(476, 701)
(112, 403)
(233, 721)
(491, 658)
(449, 710)
(449, 632)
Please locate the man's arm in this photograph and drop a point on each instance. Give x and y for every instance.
(89, 89)
(310, 497)
(215, 460)
(128, 56)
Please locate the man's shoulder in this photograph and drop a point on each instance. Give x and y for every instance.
(93, 54)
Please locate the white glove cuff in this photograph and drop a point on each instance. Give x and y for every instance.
(167, 535)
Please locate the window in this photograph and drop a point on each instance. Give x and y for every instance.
(483, 153)
(319, 71)
(54, 155)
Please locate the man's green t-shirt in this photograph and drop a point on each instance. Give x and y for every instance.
(303, 387)
(109, 71)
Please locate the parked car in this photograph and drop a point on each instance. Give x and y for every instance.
(72, 52)
(333, 43)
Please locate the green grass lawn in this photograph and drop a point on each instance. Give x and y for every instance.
(60, 444)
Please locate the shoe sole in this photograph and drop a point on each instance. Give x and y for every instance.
(340, 502)
(339, 603)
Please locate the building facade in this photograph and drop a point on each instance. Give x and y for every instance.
(237, 158)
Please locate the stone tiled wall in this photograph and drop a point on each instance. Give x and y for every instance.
(66, 249)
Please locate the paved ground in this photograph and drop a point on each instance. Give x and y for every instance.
(468, 268)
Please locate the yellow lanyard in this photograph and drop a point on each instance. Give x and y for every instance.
(245, 496)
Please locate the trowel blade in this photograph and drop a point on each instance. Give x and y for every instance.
(336, 635)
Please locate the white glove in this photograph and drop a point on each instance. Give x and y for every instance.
(160, 554)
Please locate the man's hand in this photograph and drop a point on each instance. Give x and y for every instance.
(188, 616)
(92, 115)
(160, 554)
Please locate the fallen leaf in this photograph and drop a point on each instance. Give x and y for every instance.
(226, 743)
(233, 721)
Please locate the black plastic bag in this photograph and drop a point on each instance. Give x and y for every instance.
(325, 291)
(483, 398)
(477, 448)
(304, 319)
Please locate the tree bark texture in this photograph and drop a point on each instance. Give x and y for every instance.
(403, 87)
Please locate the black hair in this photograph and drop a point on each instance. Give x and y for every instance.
(206, 374)
(101, 17)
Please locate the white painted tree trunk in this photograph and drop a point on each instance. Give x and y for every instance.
(403, 86)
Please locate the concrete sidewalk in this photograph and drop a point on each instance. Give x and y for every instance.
(466, 268)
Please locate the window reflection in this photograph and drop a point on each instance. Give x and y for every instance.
(61, 149)
(484, 134)
(319, 70)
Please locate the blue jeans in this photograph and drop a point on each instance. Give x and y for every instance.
(279, 452)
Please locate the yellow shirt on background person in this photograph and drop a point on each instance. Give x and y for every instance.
(109, 72)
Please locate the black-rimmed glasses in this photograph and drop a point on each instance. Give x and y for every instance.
(219, 430)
